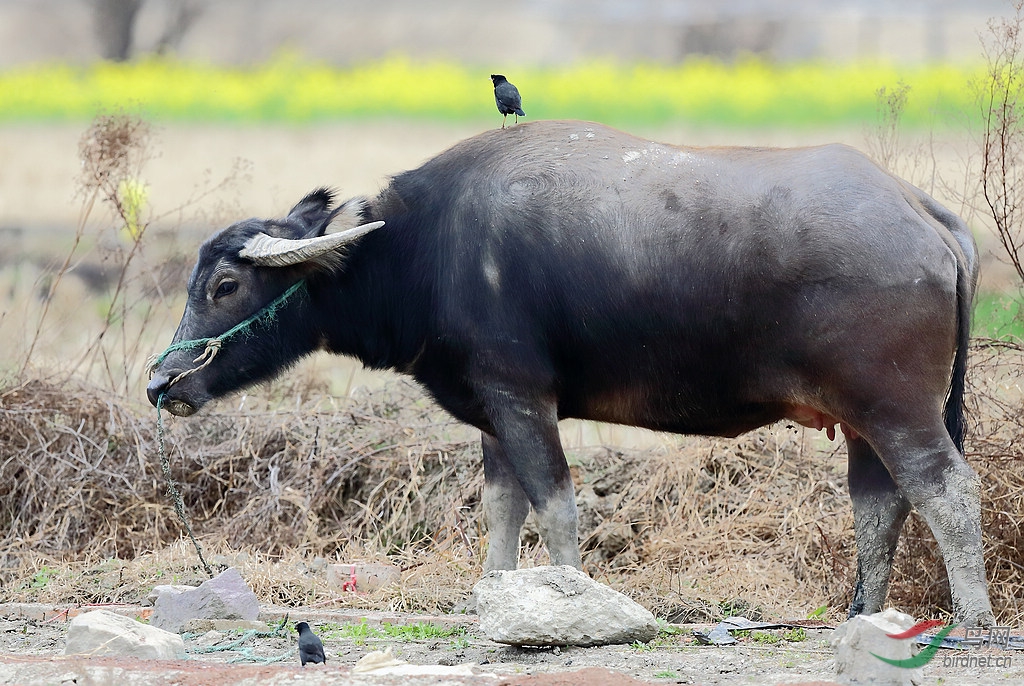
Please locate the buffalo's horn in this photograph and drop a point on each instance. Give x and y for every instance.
(269, 251)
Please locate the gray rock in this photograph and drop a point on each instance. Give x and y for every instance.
(318, 564)
(858, 640)
(102, 632)
(150, 600)
(226, 596)
(547, 606)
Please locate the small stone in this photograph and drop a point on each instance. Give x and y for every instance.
(158, 591)
(859, 640)
(226, 596)
(557, 606)
(377, 660)
(102, 632)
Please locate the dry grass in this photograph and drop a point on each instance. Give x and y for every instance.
(761, 524)
(81, 482)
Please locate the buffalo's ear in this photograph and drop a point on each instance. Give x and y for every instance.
(313, 213)
(350, 214)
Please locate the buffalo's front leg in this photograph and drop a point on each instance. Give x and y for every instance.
(879, 510)
(526, 446)
(505, 506)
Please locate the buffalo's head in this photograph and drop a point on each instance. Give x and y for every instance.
(240, 278)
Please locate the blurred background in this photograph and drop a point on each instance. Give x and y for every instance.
(515, 32)
(243, 106)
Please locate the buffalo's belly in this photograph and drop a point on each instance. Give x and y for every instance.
(698, 375)
(676, 409)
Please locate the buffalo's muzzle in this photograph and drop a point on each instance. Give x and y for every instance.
(160, 385)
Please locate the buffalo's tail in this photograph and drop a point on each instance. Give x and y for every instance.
(958, 237)
(955, 412)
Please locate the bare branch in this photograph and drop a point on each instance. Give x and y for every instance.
(1000, 98)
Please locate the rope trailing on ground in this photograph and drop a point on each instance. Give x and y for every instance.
(172, 488)
(211, 346)
(247, 652)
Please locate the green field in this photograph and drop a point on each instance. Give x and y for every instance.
(287, 89)
(998, 316)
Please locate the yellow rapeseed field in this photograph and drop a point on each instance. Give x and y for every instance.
(288, 89)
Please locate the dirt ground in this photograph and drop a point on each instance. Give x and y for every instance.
(32, 643)
(31, 647)
(224, 172)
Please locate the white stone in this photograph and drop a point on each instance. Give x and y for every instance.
(102, 632)
(858, 640)
(379, 663)
(226, 596)
(158, 591)
(557, 606)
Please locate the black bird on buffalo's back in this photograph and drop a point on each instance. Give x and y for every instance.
(310, 647)
(506, 97)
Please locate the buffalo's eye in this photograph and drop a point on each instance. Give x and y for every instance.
(225, 287)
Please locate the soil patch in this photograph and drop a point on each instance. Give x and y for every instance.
(33, 646)
(32, 638)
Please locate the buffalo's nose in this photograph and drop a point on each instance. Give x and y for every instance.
(157, 386)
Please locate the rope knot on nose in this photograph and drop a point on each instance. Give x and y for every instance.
(213, 347)
(213, 344)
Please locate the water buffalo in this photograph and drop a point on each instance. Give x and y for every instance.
(566, 269)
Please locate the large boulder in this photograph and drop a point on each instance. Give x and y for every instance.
(226, 596)
(102, 632)
(557, 606)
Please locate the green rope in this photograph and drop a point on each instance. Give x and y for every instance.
(266, 314)
(249, 656)
(212, 345)
(172, 488)
(247, 653)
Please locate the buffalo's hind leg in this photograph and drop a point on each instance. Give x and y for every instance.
(879, 510)
(942, 487)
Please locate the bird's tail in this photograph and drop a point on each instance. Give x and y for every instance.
(520, 113)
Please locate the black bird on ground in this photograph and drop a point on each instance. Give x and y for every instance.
(506, 96)
(310, 647)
